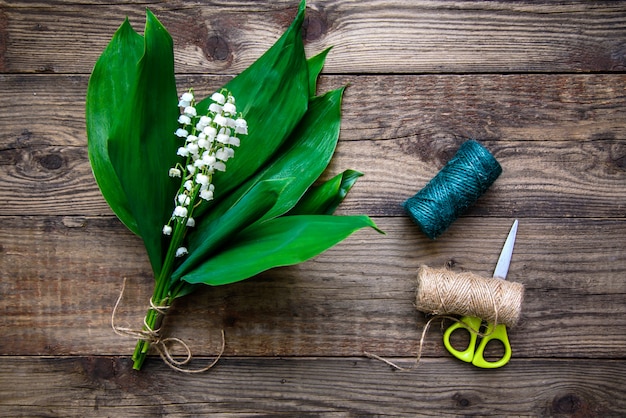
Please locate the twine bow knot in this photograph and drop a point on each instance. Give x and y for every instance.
(163, 345)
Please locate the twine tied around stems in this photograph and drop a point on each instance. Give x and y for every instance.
(160, 343)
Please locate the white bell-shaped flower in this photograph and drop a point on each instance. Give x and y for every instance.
(202, 179)
(180, 211)
(219, 98)
(184, 120)
(190, 111)
(193, 148)
(241, 126)
(208, 158)
(215, 108)
(230, 108)
(181, 133)
(224, 154)
(203, 142)
(220, 120)
(183, 199)
(210, 132)
(222, 138)
(206, 195)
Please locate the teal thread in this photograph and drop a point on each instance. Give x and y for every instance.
(454, 189)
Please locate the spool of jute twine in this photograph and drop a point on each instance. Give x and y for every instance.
(455, 188)
(443, 292)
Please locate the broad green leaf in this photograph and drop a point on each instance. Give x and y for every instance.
(110, 85)
(304, 157)
(310, 151)
(209, 236)
(278, 242)
(324, 198)
(143, 146)
(316, 64)
(273, 95)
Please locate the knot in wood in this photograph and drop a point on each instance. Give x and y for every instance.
(567, 404)
(315, 25)
(218, 49)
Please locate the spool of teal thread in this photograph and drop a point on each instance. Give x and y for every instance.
(455, 188)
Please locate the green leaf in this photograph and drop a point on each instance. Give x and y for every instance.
(206, 237)
(110, 85)
(304, 157)
(273, 96)
(316, 64)
(311, 148)
(278, 242)
(324, 198)
(142, 146)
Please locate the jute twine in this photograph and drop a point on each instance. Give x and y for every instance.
(443, 293)
(163, 345)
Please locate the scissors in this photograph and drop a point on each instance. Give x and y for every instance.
(472, 324)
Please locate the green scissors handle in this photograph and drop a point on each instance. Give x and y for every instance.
(475, 355)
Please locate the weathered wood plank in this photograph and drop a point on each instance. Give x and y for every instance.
(105, 386)
(61, 277)
(560, 178)
(563, 159)
(556, 121)
(573, 107)
(417, 36)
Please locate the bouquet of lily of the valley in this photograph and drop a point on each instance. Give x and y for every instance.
(221, 188)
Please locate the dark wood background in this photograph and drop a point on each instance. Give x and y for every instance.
(539, 83)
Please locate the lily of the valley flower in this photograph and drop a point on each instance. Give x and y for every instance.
(207, 143)
(185, 100)
(180, 212)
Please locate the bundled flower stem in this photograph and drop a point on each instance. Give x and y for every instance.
(208, 144)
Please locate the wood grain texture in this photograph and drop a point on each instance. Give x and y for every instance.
(571, 149)
(541, 84)
(579, 107)
(416, 36)
(356, 297)
(104, 386)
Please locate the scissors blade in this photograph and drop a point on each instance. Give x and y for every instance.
(502, 268)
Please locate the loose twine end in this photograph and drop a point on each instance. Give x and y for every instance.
(163, 345)
(419, 350)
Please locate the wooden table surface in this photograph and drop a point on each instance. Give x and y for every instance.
(541, 84)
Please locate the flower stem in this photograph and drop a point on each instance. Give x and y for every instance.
(161, 296)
